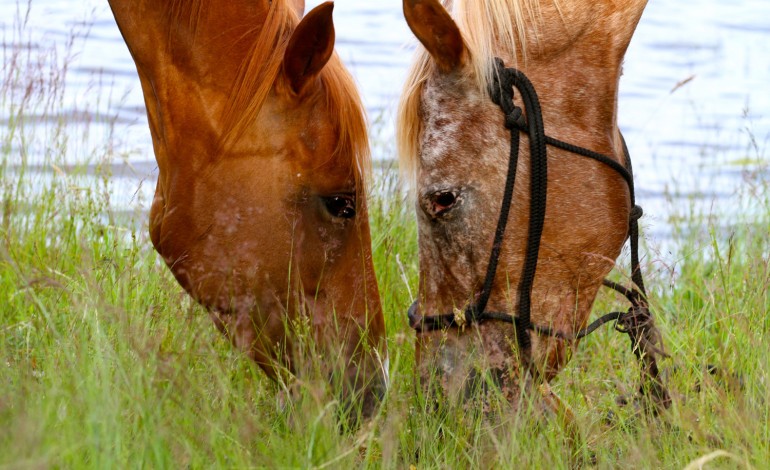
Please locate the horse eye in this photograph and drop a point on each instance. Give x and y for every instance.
(343, 207)
(442, 202)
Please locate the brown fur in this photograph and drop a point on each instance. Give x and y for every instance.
(451, 137)
(247, 149)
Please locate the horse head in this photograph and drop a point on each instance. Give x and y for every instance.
(260, 208)
(455, 147)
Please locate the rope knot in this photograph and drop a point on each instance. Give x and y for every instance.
(501, 91)
(514, 119)
(636, 213)
(640, 327)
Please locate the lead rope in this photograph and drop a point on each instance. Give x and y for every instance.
(637, 322)
(502, 95)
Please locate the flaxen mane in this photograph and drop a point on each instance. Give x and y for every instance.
(260, 69)
(489, 28)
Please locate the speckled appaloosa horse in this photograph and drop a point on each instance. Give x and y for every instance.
(455, 145)
(259, 212)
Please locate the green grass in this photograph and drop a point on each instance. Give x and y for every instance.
(106, 363)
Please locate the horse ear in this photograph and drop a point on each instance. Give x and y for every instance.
(436, 30)
(310, 47)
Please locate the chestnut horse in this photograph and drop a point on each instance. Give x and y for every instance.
(455, 145)
(259, 211)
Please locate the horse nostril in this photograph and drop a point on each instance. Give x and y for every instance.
(442, 202)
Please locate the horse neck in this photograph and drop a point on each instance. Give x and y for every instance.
(160, 32)
(188, 55)
(574, 57)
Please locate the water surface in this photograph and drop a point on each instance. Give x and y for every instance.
(693, 98)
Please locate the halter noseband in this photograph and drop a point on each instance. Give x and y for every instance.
(637, 322)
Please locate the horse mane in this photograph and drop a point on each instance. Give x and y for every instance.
(260, 69)
(489, 28)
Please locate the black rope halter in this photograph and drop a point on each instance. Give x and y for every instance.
(637, 321)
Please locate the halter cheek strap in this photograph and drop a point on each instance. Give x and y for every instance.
(637, 322)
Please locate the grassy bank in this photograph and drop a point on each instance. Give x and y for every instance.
(105, 361)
